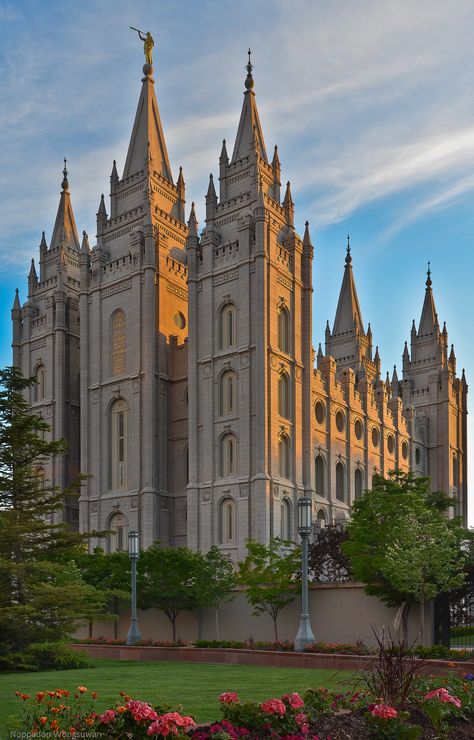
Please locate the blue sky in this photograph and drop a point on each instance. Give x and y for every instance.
(370, 103)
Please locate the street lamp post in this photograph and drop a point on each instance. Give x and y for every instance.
(305, 633)
(133, 552)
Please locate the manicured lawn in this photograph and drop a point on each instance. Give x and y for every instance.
(194, 686)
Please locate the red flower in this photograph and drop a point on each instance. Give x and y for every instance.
(294, 700)
(40, 696)
(228, 697)
(273, 706)
(384, 711)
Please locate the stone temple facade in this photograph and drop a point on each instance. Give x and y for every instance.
(179, 364)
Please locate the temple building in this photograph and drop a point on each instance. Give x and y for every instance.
(179, 362)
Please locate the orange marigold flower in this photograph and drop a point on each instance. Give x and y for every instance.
(17, 693)
(40, 696)
(55, 710)
(72, 730)
(82, 689)
(43, 720)
(93, 694)
(54, 724)
(50, 693)
(90, 721)
(451, 664)
(25, 696)
(121, 709)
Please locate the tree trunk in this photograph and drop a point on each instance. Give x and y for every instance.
(216, 611)
(275, 626)
(90, 629)
(422, 622)
(115, 607)
(405, 612)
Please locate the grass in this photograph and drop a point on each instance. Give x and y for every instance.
(195, 686)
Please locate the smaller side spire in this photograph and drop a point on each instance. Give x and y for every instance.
(16, 301)
(289, 206)
(114, 178)
(276, 167)
(43, 244)
(320, 353)
(394, 375)
(85, 249)
(211, 199)
(193, 222)
(452, 359)
(224, 158)
(307, 245)
(181, 201)
(101, 215)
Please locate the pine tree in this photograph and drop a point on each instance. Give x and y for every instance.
(42, 595)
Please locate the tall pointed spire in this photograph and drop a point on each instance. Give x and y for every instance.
(348, 310)
(289, 206)
(16, 303)
(64, 231)
(250, 129)
(428, 314)
(147, 141)
(192, 222)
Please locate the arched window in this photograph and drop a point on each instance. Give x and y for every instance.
(284, 330)
(118, 445)
(227, 522)
(40, 377)
(319, 475)
(227, 393)
(358, 484)
(228, 455)
(340, 481)
(455, 472)
(118, 334)
(285, 520)
(321, 518)
(284, 395)
(284, 456)
(227, 328)
(117, 540)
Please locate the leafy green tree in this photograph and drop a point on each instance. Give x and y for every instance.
(169, 579)
(112, 572)
(387, 524)
(270, 576)
(218, 581)
(40, 599)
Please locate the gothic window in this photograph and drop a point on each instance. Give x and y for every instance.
(358, 484)
(358, 429)
(227, 328)
(390, 444)
(340, 481)
(404, 450)
(455, 472)
(321, 518)
(284, 395)
(375, 437)
(319, 475)
(227, 393)
(284, 330)
(118, 445)
(40, 377)
(417, 456)
(117, 540)
(285, 520)
(118, 335)
(228, 455)
(227, 522)
(284, 456)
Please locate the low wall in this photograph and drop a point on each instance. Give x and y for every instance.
(267, 658)
(340, 612)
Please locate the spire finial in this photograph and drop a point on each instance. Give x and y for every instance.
(428, 279)
(65, 184)
(348, 249)
(249, 83)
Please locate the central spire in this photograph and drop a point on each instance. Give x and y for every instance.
(64, 231)
(348, 309)
(249, 134)
(428, 313)
(147, 144)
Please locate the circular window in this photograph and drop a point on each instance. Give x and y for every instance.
(319, 412)
(404, 450)
(417, 455)
(179, 320)
(390, 444)
(358, 429)
(375, 437)
(340, 421)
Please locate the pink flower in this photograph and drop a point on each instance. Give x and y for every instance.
(228, 697)
(384, 711)
(294, 700)
(443, 695)
(273, 706)
(107, 717)
(168, 724)
(301, 720)
(141, 710)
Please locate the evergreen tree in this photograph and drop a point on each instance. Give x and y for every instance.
(41, 594)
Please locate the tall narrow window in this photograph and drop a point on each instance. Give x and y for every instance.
(40, 378)
(118, 343)
(321, 518)
(118, 538)
(228, 455)
(285, 520)
(319, 476)
(340, 481)
(358, 484)
(227, 393)
(118, 445)
(284, 456)
(227, 328)
(455, 473)
(227, 522)
(284, 395)
(284, 330)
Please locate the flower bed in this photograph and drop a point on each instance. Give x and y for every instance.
(431, 708)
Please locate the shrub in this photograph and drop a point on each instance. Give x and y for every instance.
(45, 656)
